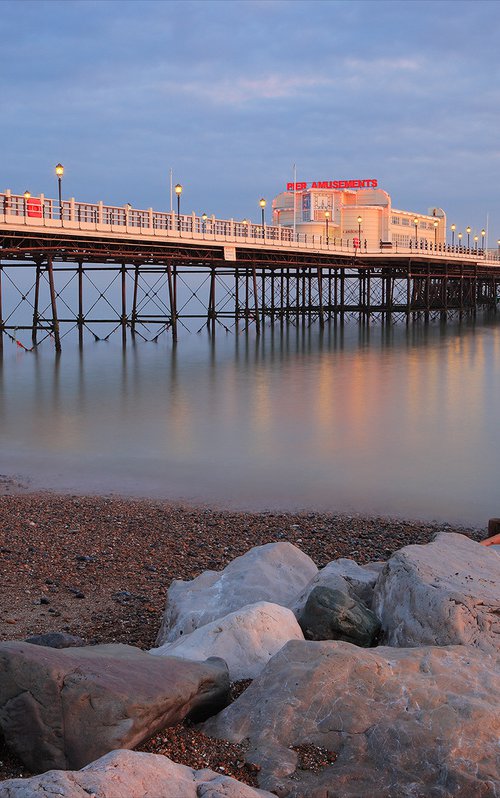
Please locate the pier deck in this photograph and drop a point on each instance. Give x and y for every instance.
(162, 269)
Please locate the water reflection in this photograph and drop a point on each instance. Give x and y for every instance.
(394, 420)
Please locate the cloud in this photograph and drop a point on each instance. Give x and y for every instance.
(244, 90)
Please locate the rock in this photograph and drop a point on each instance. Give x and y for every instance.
(275, 572)
(56, 640)
(63, 709)
(127, 774)
(344, 575)
(403, 722)
(442, 593)
(332, 615)
(246, 639)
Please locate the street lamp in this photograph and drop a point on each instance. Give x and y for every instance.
(460, 236)
(476, 239)
(26, 196)
(498, 245)
(245, 224)
(467, 230)
(204, 218)
(436, 225)
(262, 204)
(59, 174)
(415, 222)
(453, 228)
(360, 219)
(178, 191)
(327, 218)
(483, 235)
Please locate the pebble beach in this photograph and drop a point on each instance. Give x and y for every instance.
(99, 568)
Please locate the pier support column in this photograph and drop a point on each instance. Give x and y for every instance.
(80, 319)
(55, 322)
(256, 300)
(123, 319)
(36, 304)
(172, 302)
(320, 298)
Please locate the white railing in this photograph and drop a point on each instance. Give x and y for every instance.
(41, 211)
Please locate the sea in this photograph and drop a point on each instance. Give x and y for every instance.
(396, 420)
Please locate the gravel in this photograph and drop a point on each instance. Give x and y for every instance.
(99, 568)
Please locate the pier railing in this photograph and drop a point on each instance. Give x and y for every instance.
(71, 215)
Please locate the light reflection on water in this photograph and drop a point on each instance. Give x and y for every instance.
(393, 421)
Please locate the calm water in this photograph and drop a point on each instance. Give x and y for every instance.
(399, 422)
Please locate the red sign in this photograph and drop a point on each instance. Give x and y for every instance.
(34, 207)
(355, 242)
(332, 184)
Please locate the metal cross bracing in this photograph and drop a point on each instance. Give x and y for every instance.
(52, 284)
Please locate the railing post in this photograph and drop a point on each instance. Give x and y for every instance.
(150, 218)
(193, 222)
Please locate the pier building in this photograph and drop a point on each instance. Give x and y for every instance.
(346, 211)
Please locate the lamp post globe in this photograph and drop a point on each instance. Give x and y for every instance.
(467, 230)
(59, 174)
(483, 238)
(453, 228)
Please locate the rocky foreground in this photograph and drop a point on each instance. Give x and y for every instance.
(288, 670)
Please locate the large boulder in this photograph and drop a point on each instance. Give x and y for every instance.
(246, 639)
(127, 774)
(333, 615)
(65, 708)
(442, 593)
(275, 572)
(343, 575)
(403, 722)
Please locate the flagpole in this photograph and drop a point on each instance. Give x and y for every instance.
(294, 201)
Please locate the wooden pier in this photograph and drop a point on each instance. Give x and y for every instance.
(144, 273)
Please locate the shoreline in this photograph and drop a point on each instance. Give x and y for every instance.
(99, 567)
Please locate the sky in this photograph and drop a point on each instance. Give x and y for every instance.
(229, 94)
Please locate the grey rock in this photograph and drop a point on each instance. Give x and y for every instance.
(403, 722)
(333, 615)
(344, 575)
(127, 774)
(275, 572)
(246, 639)
(56, 640)
(444, 593)
(64, 709)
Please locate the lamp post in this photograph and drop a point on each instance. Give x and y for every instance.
(327, 219)
(467, 230)
(245, 224)
(460, 235)
(262, 204)
(415, 222)
(178, 191)
(360, 219)
(204, 218)
(476, 239)
(60, 173)
(483, 238)
(498, 245)
(453, 228)
(436, 225)
(26, 196)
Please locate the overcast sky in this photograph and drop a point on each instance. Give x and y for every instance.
(230, 93)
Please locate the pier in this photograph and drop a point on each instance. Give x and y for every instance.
(73, 265)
